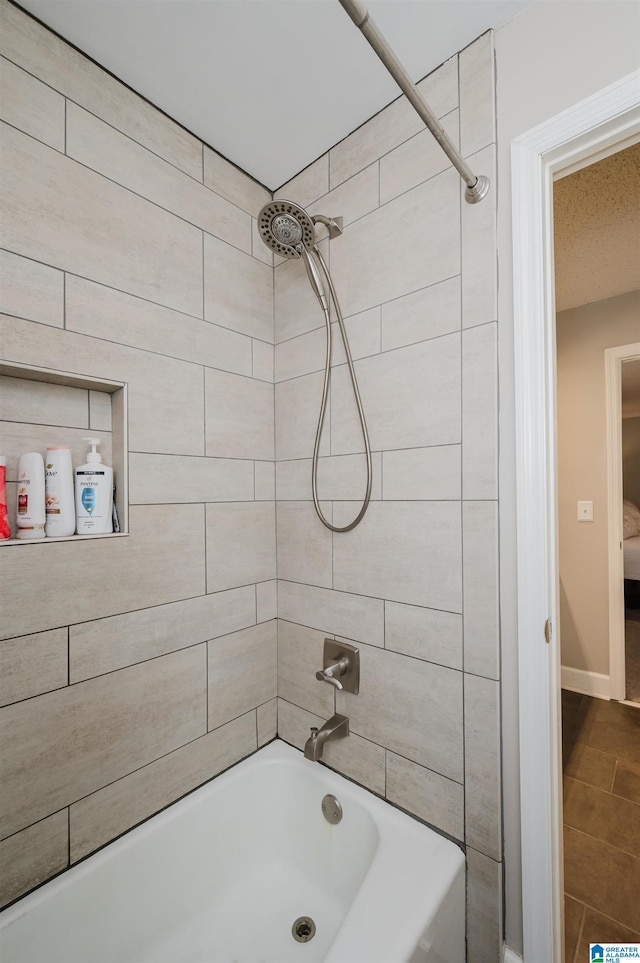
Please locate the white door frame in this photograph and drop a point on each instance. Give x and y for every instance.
(608, 120)
(613, 359)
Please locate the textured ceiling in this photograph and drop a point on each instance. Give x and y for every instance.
(270, 84)
(597, 231)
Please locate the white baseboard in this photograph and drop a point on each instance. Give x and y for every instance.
(587, 683)
(510, 956)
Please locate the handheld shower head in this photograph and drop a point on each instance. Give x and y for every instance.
(286, 228)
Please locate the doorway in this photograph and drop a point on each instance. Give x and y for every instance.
(597, 294)
(630, 463)
(623, 455)
(605, 122)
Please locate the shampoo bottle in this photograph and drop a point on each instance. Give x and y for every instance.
(58, 484)
(94, 494)
(30, 516)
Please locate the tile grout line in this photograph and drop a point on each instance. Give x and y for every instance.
(461, 470)
(275, 489)
(382, 304)
(195, 317)
(579, 937)
(206, 563)
(253, 182)
(134, 347)
(384, 623)
(141, 768)
(204, 294)
(150, 200)
(376, 354)
(130, 294)
(395, 752)
(179, 171)
(386, 153)
(37, 140)
(594, 909)
(386, 763)
(206, 680)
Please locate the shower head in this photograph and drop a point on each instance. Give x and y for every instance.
(285, 227)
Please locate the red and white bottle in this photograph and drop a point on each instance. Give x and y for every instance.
(5, 527)
(30, 517)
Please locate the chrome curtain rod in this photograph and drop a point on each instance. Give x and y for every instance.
(477, 187)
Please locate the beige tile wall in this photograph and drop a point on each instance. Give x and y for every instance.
(131, 253)
(415, 583)
(132, 669)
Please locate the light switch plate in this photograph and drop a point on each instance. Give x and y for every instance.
(585, 511)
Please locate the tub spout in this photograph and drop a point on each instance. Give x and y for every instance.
(337, 727)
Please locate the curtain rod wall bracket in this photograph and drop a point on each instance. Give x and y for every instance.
(479, 190)
(477, 187)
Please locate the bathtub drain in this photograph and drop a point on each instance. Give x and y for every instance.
(304, 929)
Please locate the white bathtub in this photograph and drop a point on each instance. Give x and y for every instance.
(221, 876)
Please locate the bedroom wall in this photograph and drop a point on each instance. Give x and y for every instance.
(631, 459)
(582, 336)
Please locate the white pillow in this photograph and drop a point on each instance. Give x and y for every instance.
(630, 519)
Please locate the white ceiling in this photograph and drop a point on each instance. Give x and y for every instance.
(271, 84)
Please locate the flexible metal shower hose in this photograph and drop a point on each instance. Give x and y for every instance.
(323, 407)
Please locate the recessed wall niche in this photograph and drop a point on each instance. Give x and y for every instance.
(41, 407)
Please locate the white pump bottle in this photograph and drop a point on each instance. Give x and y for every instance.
(94, 494)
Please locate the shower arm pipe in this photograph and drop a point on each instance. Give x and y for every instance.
(477, 187)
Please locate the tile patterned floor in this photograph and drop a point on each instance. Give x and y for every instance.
(632, 653)
(601, 761)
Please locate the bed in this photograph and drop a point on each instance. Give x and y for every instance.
(631, 552)
(631, 548)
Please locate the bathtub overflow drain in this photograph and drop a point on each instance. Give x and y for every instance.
(304, 929)
(331, 809)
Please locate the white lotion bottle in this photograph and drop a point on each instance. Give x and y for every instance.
(94, 494)
(58, 487)
(30, 517)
